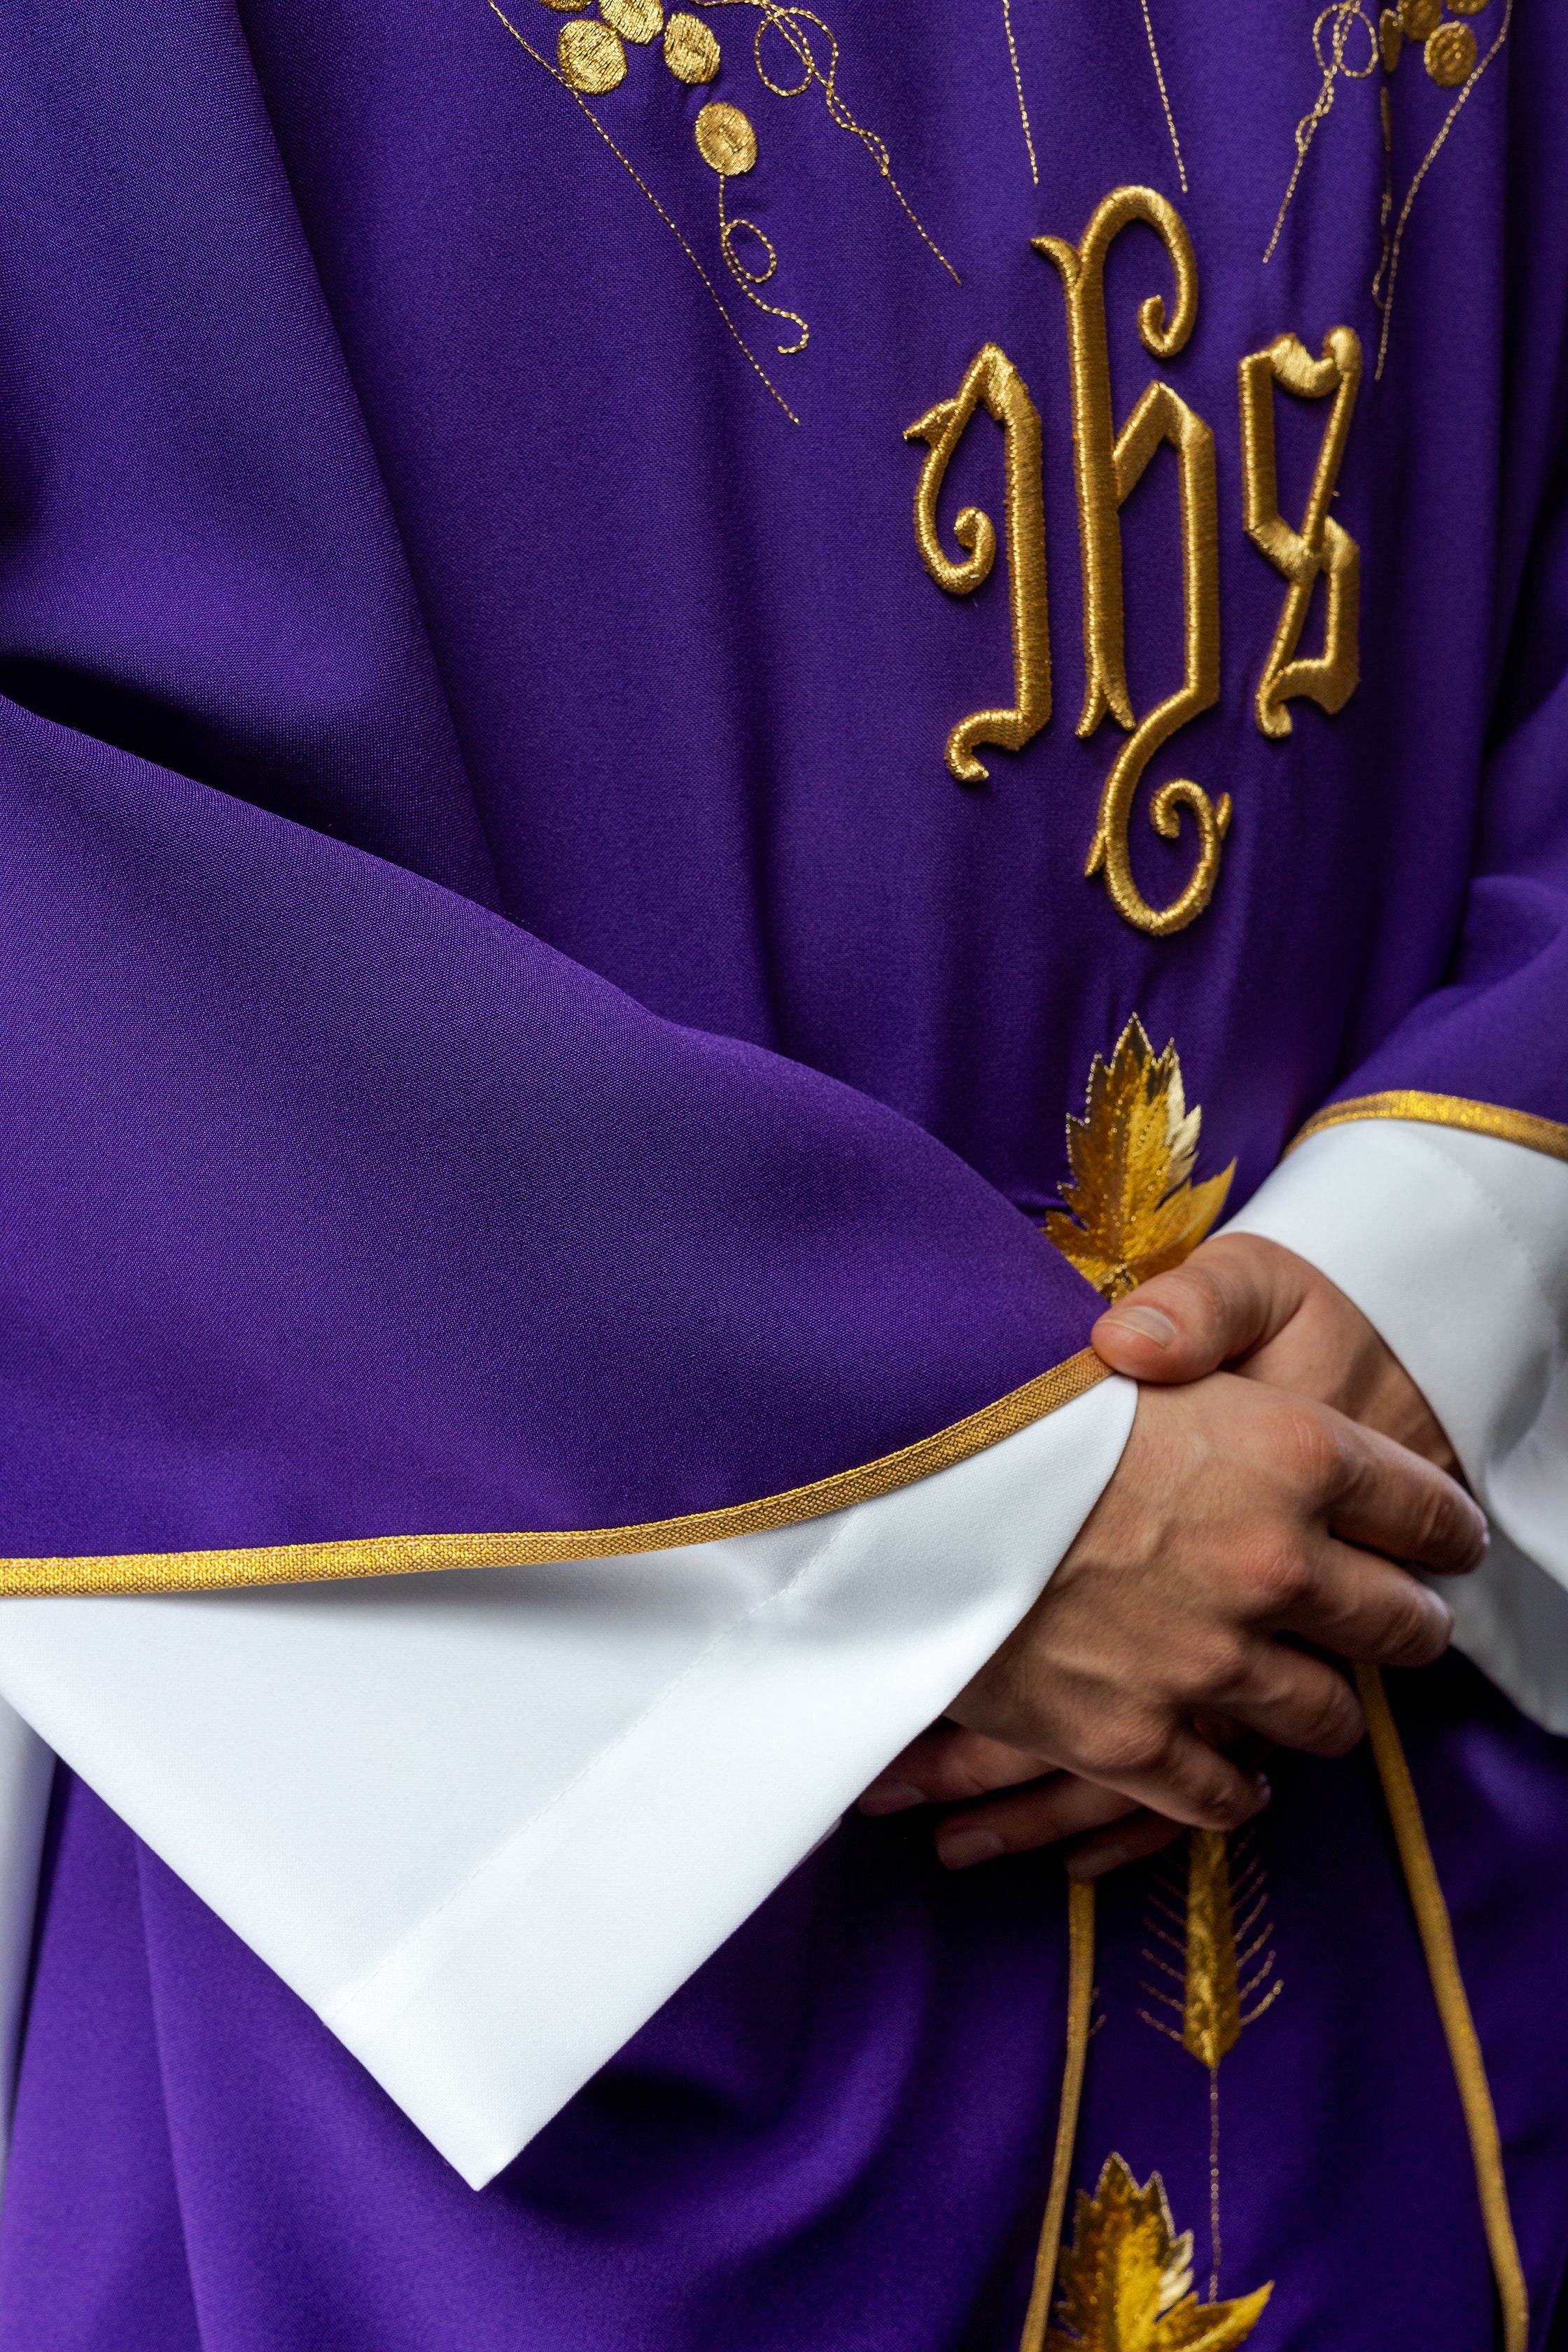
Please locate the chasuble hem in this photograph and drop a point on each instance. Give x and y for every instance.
(129, 1574)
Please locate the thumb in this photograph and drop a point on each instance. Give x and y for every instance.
(1230, 1297)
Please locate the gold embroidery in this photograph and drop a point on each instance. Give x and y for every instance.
(1165, 95)
(1523, 1127)
(1383, 285)
(1453, 2005)
(1451, 55)
(1108, 468)
(689, 49)
(590, 56)
(1343, 16)
(1126, 2278)
(1018, 86)
(636, 178)
(1215, 1986)
(1320, 546)
(994, 383)
(1131, 1209)
(635, 20)
(309, 1563)
(1081, 1999)
(728, 145)
(793, 26)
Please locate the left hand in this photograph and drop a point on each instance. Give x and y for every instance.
(1262, 1312)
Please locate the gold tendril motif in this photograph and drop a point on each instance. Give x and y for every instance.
(1126, 2280)
(994, 383)
(591, 61)
(1449, 48)
(728, 145)
(1336, 24)
(1109, 466)
(794, 27)
(1320, 548)
(1132, 1209)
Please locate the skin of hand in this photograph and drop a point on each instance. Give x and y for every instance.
(1268, 1498)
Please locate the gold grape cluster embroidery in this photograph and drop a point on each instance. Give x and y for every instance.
(1350, 46)
(591, 61)
(1110, 459)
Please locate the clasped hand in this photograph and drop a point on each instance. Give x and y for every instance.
(1281, 1469)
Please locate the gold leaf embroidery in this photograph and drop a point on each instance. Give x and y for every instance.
(1126, 2278)
(1132, 1209)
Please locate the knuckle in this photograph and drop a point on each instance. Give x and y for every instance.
(1222, 1806)
(1329, 1725)
(1278, 1577)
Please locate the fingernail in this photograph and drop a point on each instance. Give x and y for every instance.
(1147, 1321)
(1265, 1789)
(892, 1797)
(966, 1847)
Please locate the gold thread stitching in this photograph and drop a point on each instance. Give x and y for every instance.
(1080, 1997)
(1383, 296)
(1344, 13)
(788, 22)
(1108, 466)
(309, 1563)
(1437, 1933)
(1165, 96)
(1018, 86)
(994, 383)
(1320, 546)
(1127, 2277)
(1523, 1127)
(633, 174)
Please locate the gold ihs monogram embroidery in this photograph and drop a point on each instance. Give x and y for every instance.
(1109, 464)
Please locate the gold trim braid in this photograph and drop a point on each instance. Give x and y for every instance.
(126, 1573)
(1446, 1110)
(1453, 2006)
(1080, 1999)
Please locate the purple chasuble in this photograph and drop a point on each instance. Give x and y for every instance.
(511, 1023)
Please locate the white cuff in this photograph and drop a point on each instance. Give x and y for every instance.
(1454, 1246)
(485, 1823)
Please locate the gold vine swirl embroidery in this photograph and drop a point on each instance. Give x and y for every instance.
(994, 383)
(1320, 547)
(1108, 466)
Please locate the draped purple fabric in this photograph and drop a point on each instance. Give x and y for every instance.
(839, 2132)
(508, 1021)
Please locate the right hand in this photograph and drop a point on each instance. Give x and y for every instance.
(1241, 1521)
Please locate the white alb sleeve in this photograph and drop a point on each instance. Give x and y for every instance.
(1454, 1246)
(484, 1822)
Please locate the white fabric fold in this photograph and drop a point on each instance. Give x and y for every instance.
(485, 1823)
(1455, 1247)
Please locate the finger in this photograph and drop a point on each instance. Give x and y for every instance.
(1367, 1610)
(1231, 1296)
(1167, 1768)
(946, 1765)
(1295, 1700)
(1039, 1815)
(1381, 1496)
(1105, 1850)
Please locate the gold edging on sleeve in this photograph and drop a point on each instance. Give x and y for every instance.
(1436, 1934)
(127, 1573)
(1446, 1110)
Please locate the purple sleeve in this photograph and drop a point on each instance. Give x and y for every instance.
(334, 1204)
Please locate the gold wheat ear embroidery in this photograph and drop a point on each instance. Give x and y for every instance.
(1213, 1929)
(1132, 1209)
(1126, 2278)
